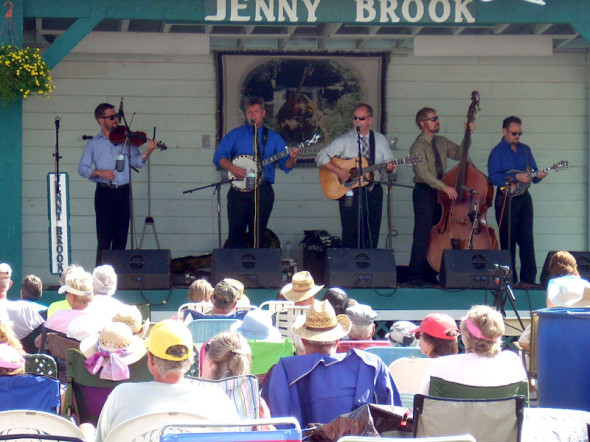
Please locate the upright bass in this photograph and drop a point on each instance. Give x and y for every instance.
(463, 221)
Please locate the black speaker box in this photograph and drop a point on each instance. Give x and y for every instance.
(255, 268)
(582, 259)
(140, 269)
(360, 268)
(468, 269)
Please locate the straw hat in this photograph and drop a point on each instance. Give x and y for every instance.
(322, 325)
(302, 287)
(113, 338)
(130, 315)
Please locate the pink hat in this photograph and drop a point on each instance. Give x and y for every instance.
(10, 357)
(439, 325)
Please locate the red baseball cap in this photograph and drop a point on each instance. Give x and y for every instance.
(438, 325)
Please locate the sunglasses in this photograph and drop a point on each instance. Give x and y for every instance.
(354, 117)
(516, 133)
(110, 117)
(433, 119)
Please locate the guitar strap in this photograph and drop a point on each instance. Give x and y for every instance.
(372, 147)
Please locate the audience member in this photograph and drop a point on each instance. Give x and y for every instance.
(79, 294)
(5, 284)
(170, 356)
(361, 333)
(257, 325)
(322, 384)
(483, 364)
(11, 361)
(131, 317)
(565, 289)
(437, 335)
(25, 315)
(338, 298)
(63, 304)
(224, 299)
(243, 300)
(200, 291)
(104, 281)
(226, 354)
(7, 336)
(112, 351)
(302, 289)
(401, 335)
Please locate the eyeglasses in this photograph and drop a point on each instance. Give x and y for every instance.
(110, 117)
(433, 119)
(516, 133)
(354, 117)
(417, 334)
(207, 345)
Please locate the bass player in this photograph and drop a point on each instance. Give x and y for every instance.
(241, 202)
(375, 148)
(509, 163)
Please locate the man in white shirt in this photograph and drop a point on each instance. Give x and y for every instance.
(170, 356)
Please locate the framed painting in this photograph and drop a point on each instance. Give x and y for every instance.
(305, 93)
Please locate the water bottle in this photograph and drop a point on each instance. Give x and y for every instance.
(250, 178)
(120, 163)
(348, 199)
(288, 253)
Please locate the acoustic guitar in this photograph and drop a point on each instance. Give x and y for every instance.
(333, 188)
(247, 162)
(518, 188)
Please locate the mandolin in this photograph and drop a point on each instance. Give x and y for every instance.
(518, 188)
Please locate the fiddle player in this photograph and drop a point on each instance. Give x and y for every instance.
(241, 204)
(112, 195)
(507, 165)
(434, 149)
(375, 148)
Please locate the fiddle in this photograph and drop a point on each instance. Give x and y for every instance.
(120, 134)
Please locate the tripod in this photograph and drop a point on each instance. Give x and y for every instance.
(149, 219)
(499, 282)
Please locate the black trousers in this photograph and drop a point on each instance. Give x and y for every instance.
(427, 213)
(240, 214)
(521, 233)
(371, 218)
(112, 210)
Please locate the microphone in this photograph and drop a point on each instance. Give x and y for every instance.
(120, 113)
(57, 119)
(252, 122)
(120, 163)
(87, 137)
(358, 129)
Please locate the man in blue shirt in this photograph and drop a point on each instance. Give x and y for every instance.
(509, 164)
(111, 198)
(241, 201)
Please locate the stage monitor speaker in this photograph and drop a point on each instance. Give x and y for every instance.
(360, 268)
(255, 268)
(582, 259)
(468, 269)
(140, 269)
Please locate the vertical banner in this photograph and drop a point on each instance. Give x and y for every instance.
(59, 222)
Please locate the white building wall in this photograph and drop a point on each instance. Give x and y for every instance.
(177, 94)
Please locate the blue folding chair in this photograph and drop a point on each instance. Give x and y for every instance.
(204, 329)
(180, 432)
(29, 392)
(390, 354)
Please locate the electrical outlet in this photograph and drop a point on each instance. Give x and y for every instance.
(206, 140)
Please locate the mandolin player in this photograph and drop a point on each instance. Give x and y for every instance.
(509, 164)
(239, 144)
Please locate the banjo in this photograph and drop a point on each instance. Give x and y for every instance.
(247, 162)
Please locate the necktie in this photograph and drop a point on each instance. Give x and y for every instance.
(439, 171)
(365, 147)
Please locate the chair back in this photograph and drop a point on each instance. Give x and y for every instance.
(286, 317)
(488, 420)
(147, 427)
(347, 344)
(242, 390)
(533, 371)
(29, 392)
(265, 354)
(390, 354)
(41, 365)
(86, 393)
(409, 374)
(17, 424)
(446, 389)
(202, 432)
(204, 329)
(200, 307)
(275, 306)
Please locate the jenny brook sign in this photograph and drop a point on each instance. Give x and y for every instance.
(346, 11)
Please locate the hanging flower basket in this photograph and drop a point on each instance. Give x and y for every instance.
(23, 73)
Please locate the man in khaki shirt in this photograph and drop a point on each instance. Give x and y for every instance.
(434, 150)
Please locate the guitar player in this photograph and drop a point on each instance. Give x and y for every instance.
(375, 148)
(241, 203)
(508, 164)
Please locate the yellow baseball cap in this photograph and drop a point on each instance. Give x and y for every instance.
(166, 334)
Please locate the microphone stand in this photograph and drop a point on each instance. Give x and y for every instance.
(255, 148)
(127, 146)
(217, 191)
(391, 232)
(57, 157)
(360, 231)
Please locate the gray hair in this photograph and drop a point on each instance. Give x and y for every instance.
(104, 280)
(166, 366)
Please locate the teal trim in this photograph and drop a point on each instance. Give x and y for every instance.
(70, 39)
